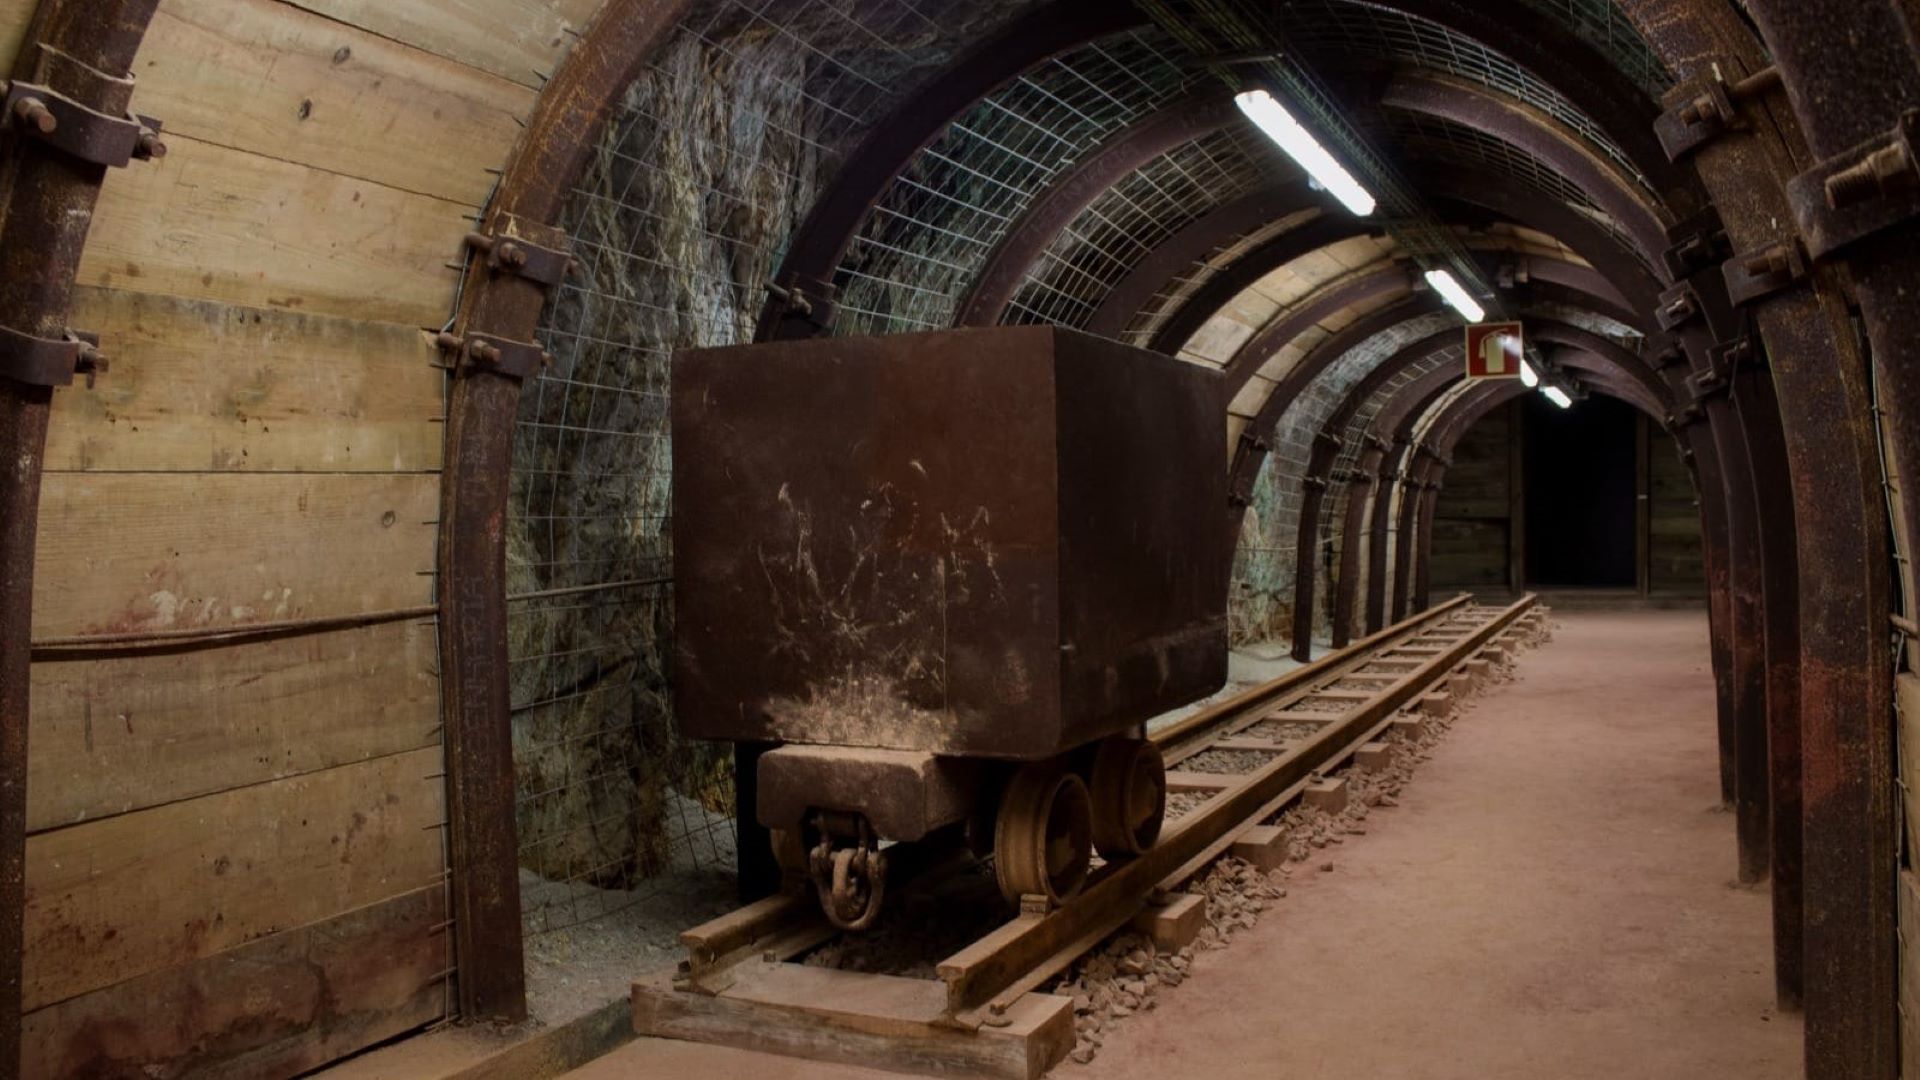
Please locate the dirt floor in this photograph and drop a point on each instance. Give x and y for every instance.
(1550, 900)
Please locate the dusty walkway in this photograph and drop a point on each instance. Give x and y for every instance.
(1551, 901)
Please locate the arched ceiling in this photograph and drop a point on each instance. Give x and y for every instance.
(962, 150)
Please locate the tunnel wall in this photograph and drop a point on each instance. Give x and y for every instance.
(236, 858)
(1473, 527)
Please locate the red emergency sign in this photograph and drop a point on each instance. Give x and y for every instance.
(1493, 350)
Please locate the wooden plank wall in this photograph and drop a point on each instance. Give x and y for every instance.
(235, 860)
(1472, 517)
(1472, 527)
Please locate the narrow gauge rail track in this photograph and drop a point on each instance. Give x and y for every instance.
(740, 986)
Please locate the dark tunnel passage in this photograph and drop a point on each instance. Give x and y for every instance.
(1579, 487)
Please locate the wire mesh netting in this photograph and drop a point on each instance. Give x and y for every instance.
(938, 221)
(1129, 220)
(718, 151)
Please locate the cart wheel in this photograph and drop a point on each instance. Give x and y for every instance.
(1043, 837)
(1129, 796)
(789, 850)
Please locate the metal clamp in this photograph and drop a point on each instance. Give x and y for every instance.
(38, 361)
(1697, 242)
(521, 359)
(1677, 305)
(1329, 439)
(83, 132)
(514, 255)
(1862, 191)
(812, 300)
(1770, 270)
(1378, 443)
(1707, 108)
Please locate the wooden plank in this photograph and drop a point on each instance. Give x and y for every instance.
(212, 223)
(125, 732)
(268, 78)
(278, 1006)
(125, 552)
(515, 39)
(808, 1013)
(202, 386)
(14, 16)
(113, 900)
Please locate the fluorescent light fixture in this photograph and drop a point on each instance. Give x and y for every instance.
(1529, 376)
(1557, 396)
(1273, 118)
(1452, 293)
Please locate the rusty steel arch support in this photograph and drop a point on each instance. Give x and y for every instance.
(559, 138)
(1023, 44)
(1520, 125)
(1445, 422)
(1393, 429)
(82, 51)
(1318, 474)
(1055, 208)
(1193, 243)
(1850, 839)
(1242, 273)
(1546, 48)
(1336, 297)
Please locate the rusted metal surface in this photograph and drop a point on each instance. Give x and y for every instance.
(1252, 451)
(817, 247)
(501, 304)
(83, 52)
(1850, 73)
(1320, 460)
(1304, 314)
(1073, 191)
(1219, 291)
(1195, 242)
(1559, 148)
(936, 571)
(1362, 483)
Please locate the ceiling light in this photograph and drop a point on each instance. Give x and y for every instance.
(1450, 290)
(1557, 396)
(1528, 376)
(1274, 119)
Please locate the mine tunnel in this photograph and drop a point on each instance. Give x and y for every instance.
(844, 538)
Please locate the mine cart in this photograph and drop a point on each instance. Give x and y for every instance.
(952, 575)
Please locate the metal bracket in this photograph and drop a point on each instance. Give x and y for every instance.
(514, 255)
(1697, 243)
(1666, 357)
(1378, 443)
(1328, 439)
(1316, 483)
(1865, 190)
(521, 359)
(1707, 108)
(38, 361)
(1677, 305)
(1772, 269)
(73, 128)
(813, 300)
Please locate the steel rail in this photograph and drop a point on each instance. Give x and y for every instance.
(984, 978)
(788, 924)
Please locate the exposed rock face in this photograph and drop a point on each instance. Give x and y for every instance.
(721, 147)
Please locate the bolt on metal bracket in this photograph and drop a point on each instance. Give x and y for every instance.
(520, 359)
(68, 126)
(38, 361)
(1860, 192)
(1677, 305)
(813, 301)
(1708, 107)
(1760, 274)
(542, 265)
